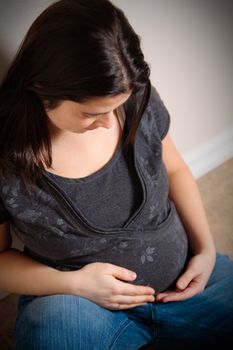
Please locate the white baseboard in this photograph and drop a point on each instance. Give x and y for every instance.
(211, 154)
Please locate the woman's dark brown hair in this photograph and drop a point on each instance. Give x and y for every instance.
(74, 50)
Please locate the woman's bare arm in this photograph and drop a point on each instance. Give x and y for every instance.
(22, 275)
(183, 190)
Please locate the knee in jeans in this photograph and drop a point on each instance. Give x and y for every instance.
(60, 311)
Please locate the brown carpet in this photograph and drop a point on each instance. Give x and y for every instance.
(217, 192)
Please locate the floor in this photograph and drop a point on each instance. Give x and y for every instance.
(217, 192)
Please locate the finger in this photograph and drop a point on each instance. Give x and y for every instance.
(185, 279)
(193, 289)
(122, 299)
(122, 273)
(131, 289)
(124, 306)
(160, 296)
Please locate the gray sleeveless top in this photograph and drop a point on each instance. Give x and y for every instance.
(121, 214)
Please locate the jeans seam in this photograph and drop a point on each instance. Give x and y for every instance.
(155, 329)
(124, 326)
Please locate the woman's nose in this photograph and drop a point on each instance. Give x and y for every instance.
(106, 121)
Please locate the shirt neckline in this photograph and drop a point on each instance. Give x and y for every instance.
(106, 166)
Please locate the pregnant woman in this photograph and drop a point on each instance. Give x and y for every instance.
(117, 249)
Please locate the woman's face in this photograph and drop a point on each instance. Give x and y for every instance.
(98, 112)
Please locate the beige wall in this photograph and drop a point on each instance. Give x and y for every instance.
(189, 46)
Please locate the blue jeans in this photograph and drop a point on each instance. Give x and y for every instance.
(68, 322)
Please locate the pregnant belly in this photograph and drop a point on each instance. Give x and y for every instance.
(158, 256)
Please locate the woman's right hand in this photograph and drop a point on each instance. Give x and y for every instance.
(107, 285)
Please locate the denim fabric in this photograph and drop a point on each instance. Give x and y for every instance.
(68, 322)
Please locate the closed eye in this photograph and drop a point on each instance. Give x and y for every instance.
(95, 114)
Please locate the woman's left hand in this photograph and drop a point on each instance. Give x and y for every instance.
(193, 280)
